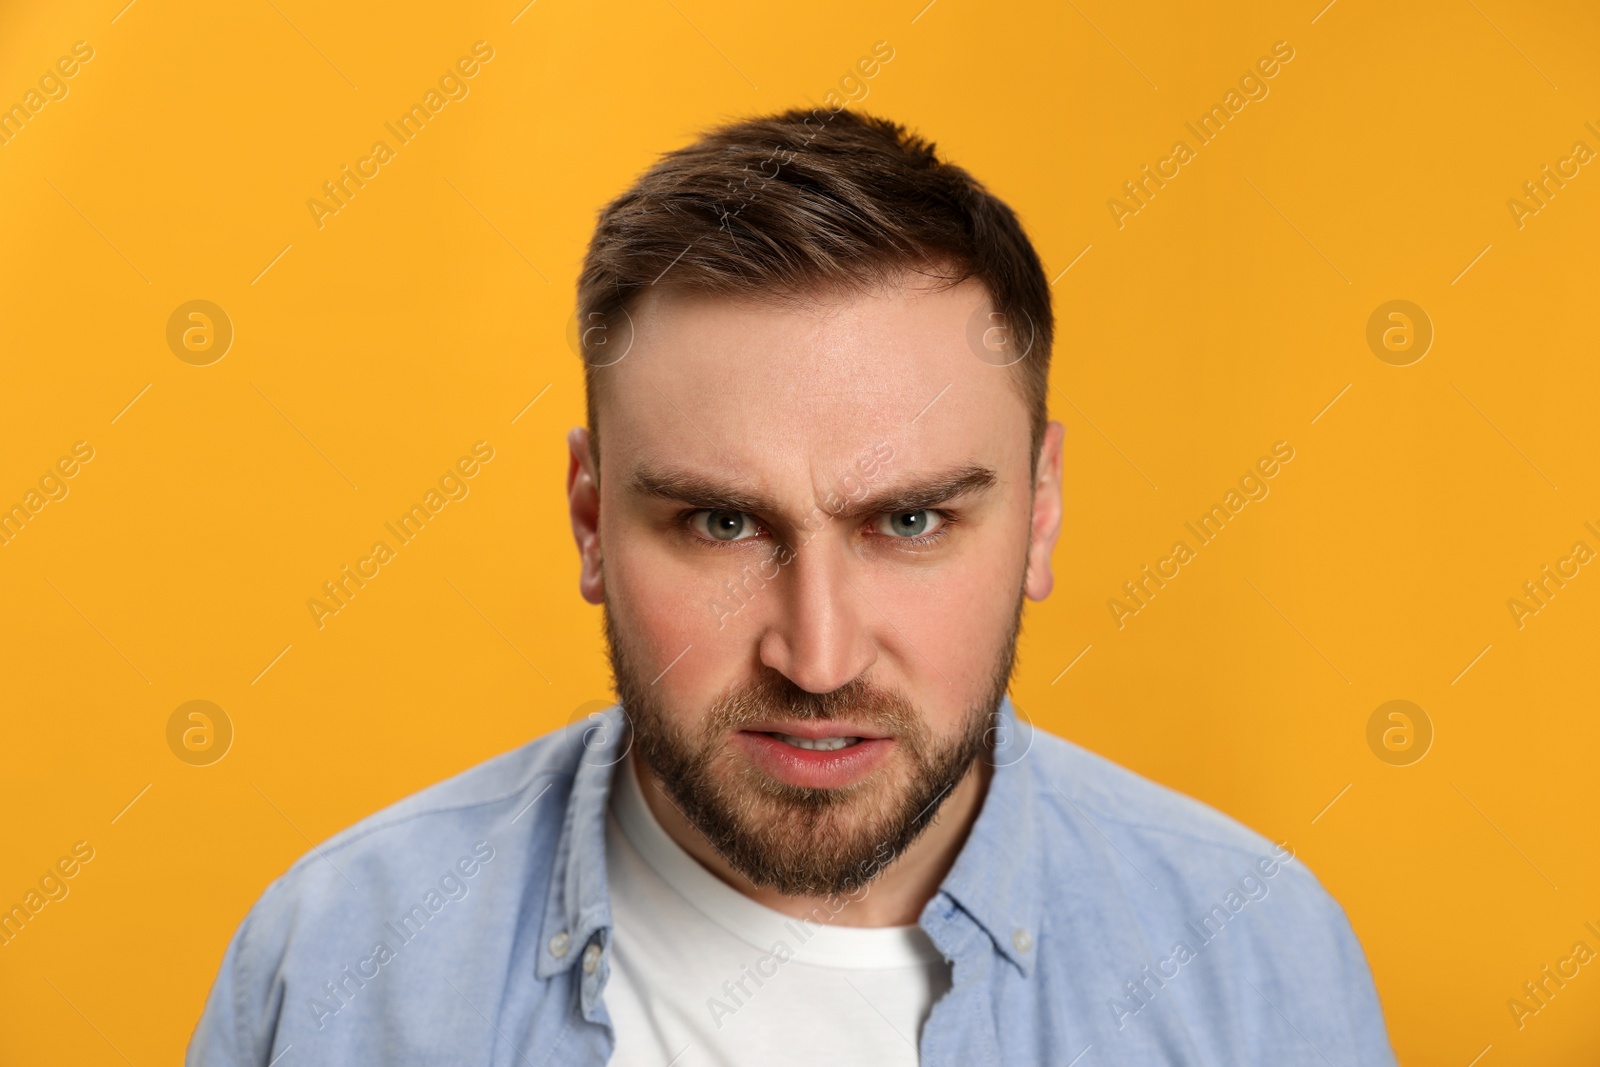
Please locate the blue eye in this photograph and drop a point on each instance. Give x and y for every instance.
(905, 524)
(715, 524)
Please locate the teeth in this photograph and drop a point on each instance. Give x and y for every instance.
(821, 744)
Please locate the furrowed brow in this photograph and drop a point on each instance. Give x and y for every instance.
(940, 488)
(699, 491)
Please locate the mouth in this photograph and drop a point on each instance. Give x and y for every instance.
(816, 744)
(816, 729)
(814, 755)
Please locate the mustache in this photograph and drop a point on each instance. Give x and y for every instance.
(775, 696)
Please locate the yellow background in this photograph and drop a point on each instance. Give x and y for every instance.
(427, 314)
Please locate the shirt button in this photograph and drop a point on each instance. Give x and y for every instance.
(1022, 939)
(591, 959)
(559, 943)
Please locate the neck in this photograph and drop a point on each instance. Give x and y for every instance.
(895, 896)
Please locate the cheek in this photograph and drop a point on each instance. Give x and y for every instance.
(663, 603)
(653, 597)
(951, 624)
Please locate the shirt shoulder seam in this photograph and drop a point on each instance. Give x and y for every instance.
(358, 833)
(1212, 841)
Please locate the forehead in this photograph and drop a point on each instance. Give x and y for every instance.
(749, 385)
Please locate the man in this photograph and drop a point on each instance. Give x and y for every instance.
(817, 483)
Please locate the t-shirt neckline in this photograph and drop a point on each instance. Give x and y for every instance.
(818, 940)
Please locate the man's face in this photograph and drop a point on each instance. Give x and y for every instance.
(812, 531)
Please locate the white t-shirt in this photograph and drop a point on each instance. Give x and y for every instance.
(703, 976)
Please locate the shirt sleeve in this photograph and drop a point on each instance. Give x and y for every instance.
(1369, 1036)
(240, 1018)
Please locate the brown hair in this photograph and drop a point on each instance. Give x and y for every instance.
(780, 206)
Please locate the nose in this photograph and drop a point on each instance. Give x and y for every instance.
(821, 637)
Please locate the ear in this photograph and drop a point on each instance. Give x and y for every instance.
(583, 504)
(1046, 524)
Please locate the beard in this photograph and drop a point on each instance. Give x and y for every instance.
(797, 840)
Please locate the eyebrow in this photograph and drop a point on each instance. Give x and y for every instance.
(701, 492)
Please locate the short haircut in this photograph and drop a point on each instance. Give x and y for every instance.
(805, 202)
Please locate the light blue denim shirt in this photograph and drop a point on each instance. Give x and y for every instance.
(1092, 917)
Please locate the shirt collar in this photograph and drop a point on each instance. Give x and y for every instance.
(997, 876)
(577, 905)
(995, 879)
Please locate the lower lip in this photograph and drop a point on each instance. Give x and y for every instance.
(814, 768)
